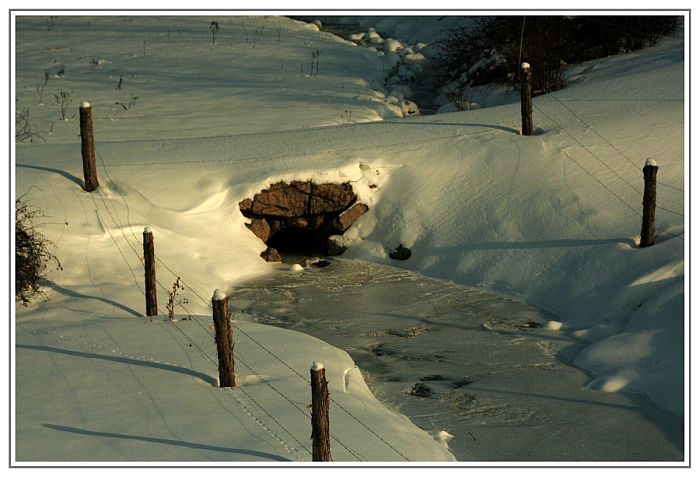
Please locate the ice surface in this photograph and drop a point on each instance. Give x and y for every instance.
(464, 364)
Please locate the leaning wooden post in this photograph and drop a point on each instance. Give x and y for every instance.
(87, 148)
(320, 404)
(649, 204)
(224, 339)
(526, 98)
(149, 260)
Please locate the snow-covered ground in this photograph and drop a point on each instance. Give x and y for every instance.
(190, 119)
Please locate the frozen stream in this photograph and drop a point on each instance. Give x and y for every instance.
(474, 365)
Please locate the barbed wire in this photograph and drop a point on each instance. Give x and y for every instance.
(613, 193)
(204, 353)
(116, 187)
(332, 400)
(601, 183)
(603, 163)
(608, 142)
(161, 311)
(309, 381)
(106, 227)
(591, 152)
(294, 404)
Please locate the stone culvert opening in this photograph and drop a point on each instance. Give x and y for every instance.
(298, 241)
(302, 217)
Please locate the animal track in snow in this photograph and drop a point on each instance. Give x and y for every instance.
(296, 453)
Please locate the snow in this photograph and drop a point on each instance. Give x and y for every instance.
(218, 295)
(195, 127)
(553, 325)
(651, 162)
(317, 366)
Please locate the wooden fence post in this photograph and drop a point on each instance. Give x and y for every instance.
(149, 259)
(526, 98)
(87, 147)
(320, 404)
(224, 339)
(649, 204)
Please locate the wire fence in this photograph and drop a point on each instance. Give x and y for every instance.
(607, 166)
(103, 209)
(134, 243)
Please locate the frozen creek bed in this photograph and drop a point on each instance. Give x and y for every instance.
(475, 370)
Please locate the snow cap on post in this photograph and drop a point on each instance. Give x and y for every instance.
(147, 230)
(218, 295)
(317, 366)
(651, 162)
(84, 104)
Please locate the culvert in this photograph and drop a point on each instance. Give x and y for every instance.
(301, 241)
(302, 215)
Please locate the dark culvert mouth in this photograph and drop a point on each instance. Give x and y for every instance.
(298, 242)
(302, 218)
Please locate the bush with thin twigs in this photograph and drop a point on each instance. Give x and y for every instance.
(490, 49)
(132, 102)
(24, 129)
(63, 100)
(40, 88)
(172, 301)
(32, 255)
(458, 96)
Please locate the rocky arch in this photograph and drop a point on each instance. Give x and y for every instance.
(326, 211)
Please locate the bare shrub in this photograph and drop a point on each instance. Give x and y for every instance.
(40, 88)
(63, 100)
(173, 301)
(489, 50)
(25, 130)
(484, 50)
(32, 255)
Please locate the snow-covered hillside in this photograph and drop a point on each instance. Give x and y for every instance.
(190, 120)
